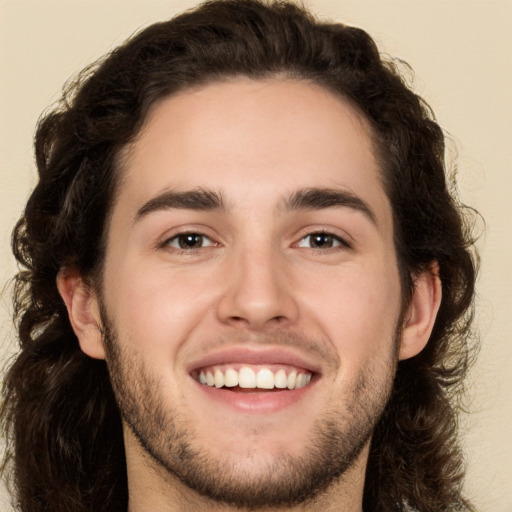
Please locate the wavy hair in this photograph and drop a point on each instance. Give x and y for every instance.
(64, 440)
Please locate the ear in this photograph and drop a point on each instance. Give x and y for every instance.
(83, 310)
(422, 312)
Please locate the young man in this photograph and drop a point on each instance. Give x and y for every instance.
(247, 286)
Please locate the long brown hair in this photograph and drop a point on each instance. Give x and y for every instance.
(64, 440)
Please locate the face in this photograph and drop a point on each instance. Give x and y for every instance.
(251, 294)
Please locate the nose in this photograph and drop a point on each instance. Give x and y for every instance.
(258, 291)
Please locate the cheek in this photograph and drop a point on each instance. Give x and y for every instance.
(356, 308)
(154, 307)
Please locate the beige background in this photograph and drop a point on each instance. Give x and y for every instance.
(461, 52)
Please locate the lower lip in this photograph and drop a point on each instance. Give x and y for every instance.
(258, 402)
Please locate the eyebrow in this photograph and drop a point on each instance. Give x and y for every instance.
(198, 199)
(322, 198)
(304, 199)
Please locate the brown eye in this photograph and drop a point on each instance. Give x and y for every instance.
(321, 241)
(189, 241)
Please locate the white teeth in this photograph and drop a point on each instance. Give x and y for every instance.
(231, 378)
(265, 379)
(219, 378)
(290, 383)
(246, 378)
(280, 380)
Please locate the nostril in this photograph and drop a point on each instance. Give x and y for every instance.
(278, 319)
(238, 319)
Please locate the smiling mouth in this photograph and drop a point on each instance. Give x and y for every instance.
(245, 377)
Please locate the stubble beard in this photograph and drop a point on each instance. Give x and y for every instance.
(335, 442)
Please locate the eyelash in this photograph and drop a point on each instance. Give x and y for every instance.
(176, 239)
(336, 241)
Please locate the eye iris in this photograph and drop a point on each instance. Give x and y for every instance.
(321, 240)
(190, 241)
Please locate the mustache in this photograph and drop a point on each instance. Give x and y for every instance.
(320, 348)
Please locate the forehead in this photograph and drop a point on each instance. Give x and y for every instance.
(252, 139)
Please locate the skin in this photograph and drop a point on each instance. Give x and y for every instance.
(256, 284)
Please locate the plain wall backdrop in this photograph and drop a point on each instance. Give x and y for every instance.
(461, 52)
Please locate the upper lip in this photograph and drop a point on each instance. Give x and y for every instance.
(256, 356)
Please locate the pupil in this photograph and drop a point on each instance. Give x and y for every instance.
(322, 240)
(190, 241)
